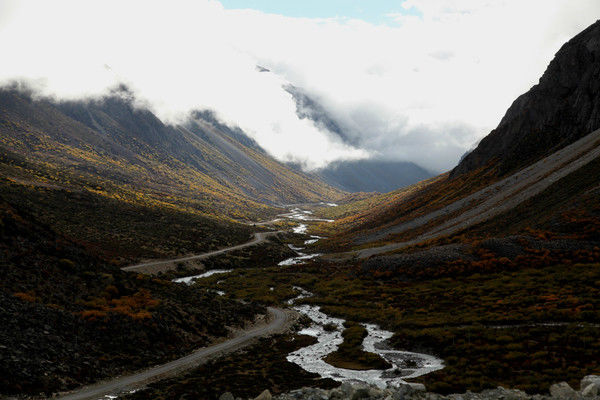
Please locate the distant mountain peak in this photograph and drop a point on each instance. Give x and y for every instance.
(309, 108)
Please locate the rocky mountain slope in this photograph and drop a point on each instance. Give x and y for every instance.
(70, 318)
(117, 140)
(546, 136)
(512, 221)
(111, 176)
(561, 108)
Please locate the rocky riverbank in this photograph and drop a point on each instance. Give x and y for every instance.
(589, 389)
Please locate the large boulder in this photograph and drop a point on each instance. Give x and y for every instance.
(590, 386)
(347, 390)
(505, 394)
(588, 380)
(227, 396)
(266, 395)
(417, 387)
(336, 394)
(591, 390)
(563, 391)
(361, 392)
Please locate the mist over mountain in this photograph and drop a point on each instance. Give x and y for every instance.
(124, 142)
(310, 109)
(416, 89)
(373, 174)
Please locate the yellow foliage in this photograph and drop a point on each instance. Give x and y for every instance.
(136, 306)
(28, 297)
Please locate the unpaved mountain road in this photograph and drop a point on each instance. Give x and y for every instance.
(279, 321)
(153, 267)
(494, 199)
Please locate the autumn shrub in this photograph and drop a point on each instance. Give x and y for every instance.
(136, 306)
(28, 297)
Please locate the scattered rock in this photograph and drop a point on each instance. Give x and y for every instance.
(361, 393)
(375, 393)
(505, 394)
(401, 392)
(588, 380)
(227, 396)
(591, 390)
(266, 395)
(590, 386)
(347, 389)
(418, 259)
(562, 391)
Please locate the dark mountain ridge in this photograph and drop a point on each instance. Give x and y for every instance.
(548, 134)
(561, 108)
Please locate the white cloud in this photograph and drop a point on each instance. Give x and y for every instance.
(422, 91)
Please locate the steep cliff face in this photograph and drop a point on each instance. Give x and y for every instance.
(562, 107)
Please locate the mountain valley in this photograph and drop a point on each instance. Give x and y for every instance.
(149, 259)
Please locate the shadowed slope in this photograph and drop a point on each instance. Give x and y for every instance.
(562, 108)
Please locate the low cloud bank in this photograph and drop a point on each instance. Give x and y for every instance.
(422, 89)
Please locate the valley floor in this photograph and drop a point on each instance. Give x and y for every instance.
(493, 307)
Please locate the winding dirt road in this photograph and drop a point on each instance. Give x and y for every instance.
(279, 320)
(153, 267)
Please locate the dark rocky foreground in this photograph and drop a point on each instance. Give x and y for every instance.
(589, 389)
(68, 318)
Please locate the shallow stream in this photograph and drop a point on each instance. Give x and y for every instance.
(405, 364)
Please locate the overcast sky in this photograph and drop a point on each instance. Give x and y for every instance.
(414, 80)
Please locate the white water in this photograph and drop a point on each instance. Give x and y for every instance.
(303, 215)
(190, 279)
(301, 229)
(296, 249)
(329, 204)
(300, 258)
(313, 239)
(311, 358)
